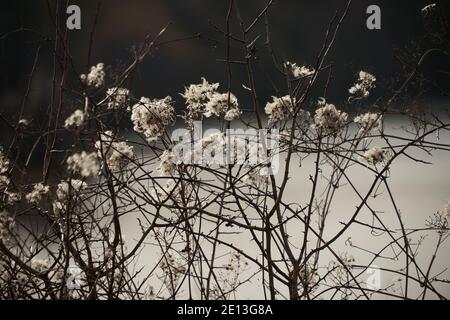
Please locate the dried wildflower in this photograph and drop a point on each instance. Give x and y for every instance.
(64, 188)
(369, 121)
(38, 192)
(365, 83)
(116, 154)
(329, 118)
(7, 225)
(211, 149)
(12, 197)
(218, 105)
(166, 165)
(152, 117)
(4, 162)
(197, 96)
(58, 207)
(428, 9)
(24, 122)
(85, 164)
(4, 181)
(279, 109)
(4, 167)
(95, 77)
(75, 120)
(66, 191)
(117, 97)
(298, 71)
(374, 155)
(40, 265)
(232, 114)
(21, 279)
(203, 99)
(218, 149)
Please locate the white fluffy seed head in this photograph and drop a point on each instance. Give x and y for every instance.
(7, 224)
(40, 265)
(232, 114)
(64, 189)
(116, 154)
(221, 103)
(75, 120)
(166, 165)
(95, 77)
(152, 117)
(329, 118)
(374, 155)
(369, 121)
(279, 109)
(117, 97)
(298, 71)
(197, 95)
(365, 83)
(428, 9)
(85, 164)
(4, 162)
(4, 167)
(204, 100)
(38, 192)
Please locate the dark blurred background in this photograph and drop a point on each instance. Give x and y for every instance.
(297, 31)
